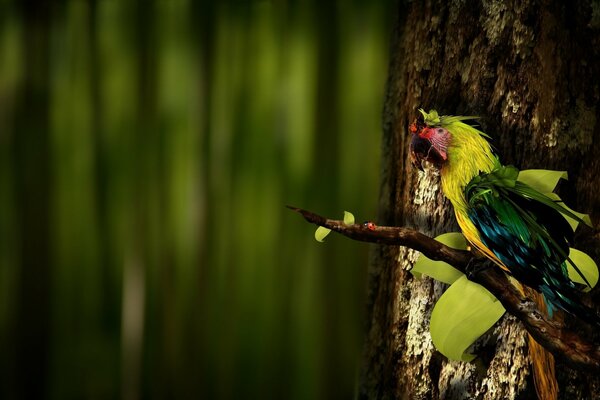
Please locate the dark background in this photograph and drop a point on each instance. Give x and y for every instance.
(147, 150)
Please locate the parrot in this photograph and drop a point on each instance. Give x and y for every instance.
(520, 229)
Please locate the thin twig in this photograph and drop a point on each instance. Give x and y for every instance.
(565, 344)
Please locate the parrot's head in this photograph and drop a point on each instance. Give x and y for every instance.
(428, 143)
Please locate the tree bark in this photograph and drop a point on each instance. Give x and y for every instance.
(530, 70)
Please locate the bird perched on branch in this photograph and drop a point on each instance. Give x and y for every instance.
(517, 227)
(520, 229)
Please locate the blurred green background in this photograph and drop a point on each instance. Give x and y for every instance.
(147, 150)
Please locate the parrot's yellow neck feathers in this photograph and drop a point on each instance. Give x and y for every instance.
(469, 154)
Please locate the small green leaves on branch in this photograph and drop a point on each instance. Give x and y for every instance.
(572, 346)
(322, 232)
(348, 218)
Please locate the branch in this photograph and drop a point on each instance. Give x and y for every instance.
(565, 344)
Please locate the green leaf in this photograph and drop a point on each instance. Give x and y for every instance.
(348, 218)
(573, 222)
(321, 233)
(431, 118)
(586, 265)
(464, 312)
(542, 180)
(456, 240)
(440, 270)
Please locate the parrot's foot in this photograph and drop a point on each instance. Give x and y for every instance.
(475, 267)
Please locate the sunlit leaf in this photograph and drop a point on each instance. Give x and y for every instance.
(321, 233)
(431, 118)
(348, 218)
(571, 221)
(456, 240)
(464, 312)
(542, 180)
(440, 270)
(586, 265)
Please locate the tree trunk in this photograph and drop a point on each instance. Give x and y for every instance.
(531, 71)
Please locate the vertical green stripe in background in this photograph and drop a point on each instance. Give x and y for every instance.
(176, 132)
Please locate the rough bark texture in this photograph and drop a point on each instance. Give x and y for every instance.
(530, 69)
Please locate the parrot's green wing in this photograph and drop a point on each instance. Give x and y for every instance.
(525, 230)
